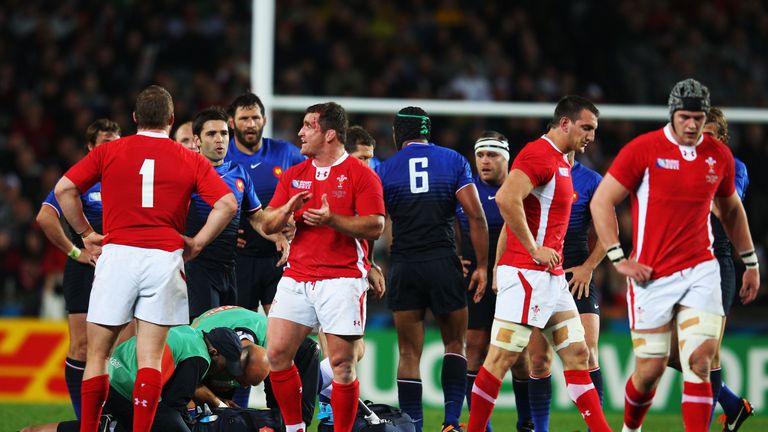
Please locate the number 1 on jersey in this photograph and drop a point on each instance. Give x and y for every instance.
(417, 177)
(147, 173)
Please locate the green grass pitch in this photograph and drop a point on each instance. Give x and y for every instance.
(14, 416)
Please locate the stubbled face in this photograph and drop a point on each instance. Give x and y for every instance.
(582, 131)
(213, 140)
(363, 152)
(312, 138)
(248, 124)
(491, 166)
(688, 126)
(185, 137)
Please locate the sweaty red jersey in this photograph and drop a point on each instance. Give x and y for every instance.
(548, 206)
(672, 187)
(321, 252)
(147, 181)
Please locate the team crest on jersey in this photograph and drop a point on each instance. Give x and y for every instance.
(341, 179)
(711, 162)
(277, 171)
(240, 185)
(94, 196)
(564, 172)
(670, 164)
(535, 309)
(301, 184)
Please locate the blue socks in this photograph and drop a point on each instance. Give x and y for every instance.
(520, 386)
(454, 382)
(73, 375)
(597, 380)
(241, 396)
(540, 398)
(409, 395)
(729, 400)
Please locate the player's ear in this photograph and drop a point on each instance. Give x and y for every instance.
(565, 123)
(330, 135)
(134, 118)
(170, 121)
(231, 123)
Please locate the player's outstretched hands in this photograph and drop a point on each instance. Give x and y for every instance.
(284, 247)
(750, 284)
(376, 284)
(579, 282)
(319, 216)
(634, 270)
(192, 248)
(546, 256)
(297, 201)
(478, 283)
(92, 243)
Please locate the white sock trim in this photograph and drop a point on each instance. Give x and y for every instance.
(478, 391)
(576, 390)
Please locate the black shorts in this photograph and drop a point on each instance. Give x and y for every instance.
(480, 314)
(589, 304)
(78, 280)
(257, 279)
(727, 282)
(209, 287)
(435, 284)
(307, 361)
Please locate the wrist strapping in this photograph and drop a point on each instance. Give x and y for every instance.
(615, 253)
(74, 253)
(749, 258)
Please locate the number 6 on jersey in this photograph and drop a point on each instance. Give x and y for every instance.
(417, 177)
(147, 173)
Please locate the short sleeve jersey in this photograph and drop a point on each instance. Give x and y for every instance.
(720, 244)
(576, 247)
(672, 187)
(420, 185)
(92, 209)
(237, 318)
(221, 251)
(547, 207)
(321, 252)
(492, 215)
(183, 342)
(147, 181)
(265, 168)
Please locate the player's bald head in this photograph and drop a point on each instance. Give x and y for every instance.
(256, 365)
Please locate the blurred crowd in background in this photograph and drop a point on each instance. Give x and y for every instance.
(67, 63)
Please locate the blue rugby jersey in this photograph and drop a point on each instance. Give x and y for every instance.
(222, 249)
(492, 215)
(264, 167)
(721, 246)
(420, 184)
(92, 209)
(576, 248)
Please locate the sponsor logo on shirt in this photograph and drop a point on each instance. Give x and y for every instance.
(491, 197)
(277, 171)
(301, 184)
(94, 196)
(253, 166)
(240, 185)
(321, 173)
(670, 164)
(563, 171)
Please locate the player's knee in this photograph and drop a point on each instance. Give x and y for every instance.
(593, 361)
(343, 369)
(454, 347)
(698, 332)
(279, 357)
(476, 352)
(540, 363)
(648, 371)
(520, 369)
(78, 348)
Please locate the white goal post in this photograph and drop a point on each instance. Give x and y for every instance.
(262, 83)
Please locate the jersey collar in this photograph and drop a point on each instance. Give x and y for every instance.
(338, 161)
(552, 143)
(152, 134)
(671, 136)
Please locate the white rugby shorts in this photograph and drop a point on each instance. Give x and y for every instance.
(337, 305)
(530, 297)
(148, 284)
(652, 304)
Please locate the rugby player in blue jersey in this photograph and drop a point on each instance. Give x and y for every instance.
(264, 159)
(211, 276)
(492, 163)
(78, 271)
(422, 183)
